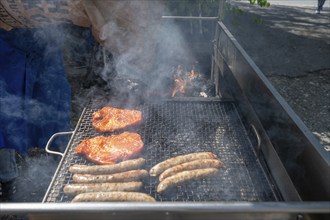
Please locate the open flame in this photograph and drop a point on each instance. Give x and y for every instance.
(181, 77)
(192, 76)
(180, 83)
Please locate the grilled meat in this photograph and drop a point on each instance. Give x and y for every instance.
(108, 150)
(196, 164)
(162, 166)
(101, 187)
(113, 197)
(108, 169)
(110, 119)
(132, 175)
(183, 177)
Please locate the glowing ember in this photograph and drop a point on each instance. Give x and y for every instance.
(181, 77)
(180, 84)
(192, 76)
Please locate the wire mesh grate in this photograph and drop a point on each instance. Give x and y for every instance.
(175, 128)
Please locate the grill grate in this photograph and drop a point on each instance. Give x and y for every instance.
(174, 128)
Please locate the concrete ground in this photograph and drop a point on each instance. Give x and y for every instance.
(298, 3)
(291, 46)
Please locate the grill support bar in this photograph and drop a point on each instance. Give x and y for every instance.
(190, 18)
(232, 210)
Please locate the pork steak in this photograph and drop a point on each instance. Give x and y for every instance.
(110, 149)
(109, 119)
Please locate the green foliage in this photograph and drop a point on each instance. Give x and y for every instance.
(257, 20)
(262, 3)
(237, 11)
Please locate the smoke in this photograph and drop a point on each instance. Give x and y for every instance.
(10, 111)
(145, 51)
(145, 48)
(36, 172)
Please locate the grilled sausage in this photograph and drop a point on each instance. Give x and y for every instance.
(162, 166)
(113, 197)
(108, 169)
(183, 177)
(128, 176)
(192, 165)
(101, 187)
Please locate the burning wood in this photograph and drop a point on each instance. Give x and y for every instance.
(181, 77)
(192, 76)
(180, 83)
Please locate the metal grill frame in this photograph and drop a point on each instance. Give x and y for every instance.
(242, 178)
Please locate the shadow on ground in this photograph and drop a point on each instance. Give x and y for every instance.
(281, 40)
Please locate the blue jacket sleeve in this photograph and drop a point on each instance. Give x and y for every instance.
(34, 92)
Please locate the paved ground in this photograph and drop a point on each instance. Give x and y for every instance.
(298, 3)
(282, 40)
(291, 46)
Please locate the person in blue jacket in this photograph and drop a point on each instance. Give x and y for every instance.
(34, 94)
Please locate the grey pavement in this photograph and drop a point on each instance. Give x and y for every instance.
(298, 3)
(281, 39)
(295, 3)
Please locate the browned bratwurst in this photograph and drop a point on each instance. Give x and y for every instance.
(192, 165)
(113, 197)
(127, 176)
(162, 166)
(183, 177)
(101, 187)
(108, 169)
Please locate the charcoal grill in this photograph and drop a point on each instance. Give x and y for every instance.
(259, 179)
